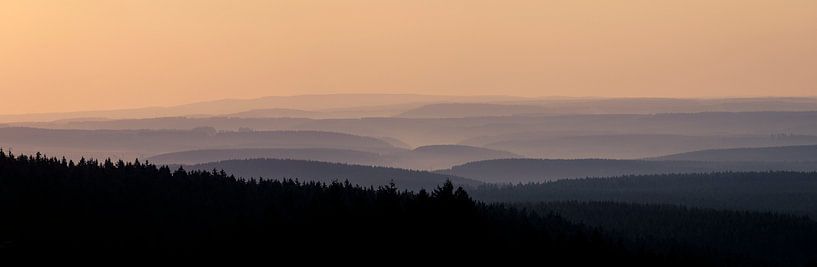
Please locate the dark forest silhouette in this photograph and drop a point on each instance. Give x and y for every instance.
(55, 206)
(772, 238)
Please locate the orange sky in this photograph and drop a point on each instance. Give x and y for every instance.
(101, 54)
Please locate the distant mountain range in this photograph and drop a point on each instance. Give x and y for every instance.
(782, 153)
(428, 106)
(508, 130)
(563, 136)
(543, 170)
(469, 129)
(339, 102)
(328, 172)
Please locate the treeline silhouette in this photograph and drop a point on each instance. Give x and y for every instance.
(770, 238)
(775, 191)
(102, 208)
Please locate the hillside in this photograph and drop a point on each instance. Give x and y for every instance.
(316, 154)
(780, 192)
(143, 143)
(444, 156)
(783, 153)
(327, 172)
(421, 158)
(631, 146)
(462, 110)
(542, 170)
(777, 238)
(609, 106)
(275, 113)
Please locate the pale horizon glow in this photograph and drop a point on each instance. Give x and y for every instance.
(60, 56)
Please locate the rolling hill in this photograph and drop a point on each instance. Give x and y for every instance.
(780, 192)
(788, 127)
(421, 158)
(633, 146)
(276, 113)
(543, 170)
(462, 110)
(229, 106)
(328, 172)
(782, 153)
(316, 154)
(444, 156)
(554, 106)
(142, 143)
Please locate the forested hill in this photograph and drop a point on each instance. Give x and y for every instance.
(53, 206)
(305, 170)
(786, 240)
(318, 154)
(781, 192)
(778, 153)
(542, 170)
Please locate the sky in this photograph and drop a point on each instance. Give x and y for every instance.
(99, 54)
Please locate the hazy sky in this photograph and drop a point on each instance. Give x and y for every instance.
(63, 55)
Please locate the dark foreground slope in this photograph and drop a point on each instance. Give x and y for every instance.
(774, 238)
(783, 192)
(92, 209)
(305, 170)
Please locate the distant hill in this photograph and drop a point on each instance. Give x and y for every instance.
(141, 143)
(421, 158)
(611, 106)
(174, 123)
(328, 172)
(394, 142)
(676, 105)
(782, 153)
(462, 110)
(632, 146)
(542, 170)
(276, 113)
(317, 154)
(444, 156)
(480, 131)
(228, 106)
